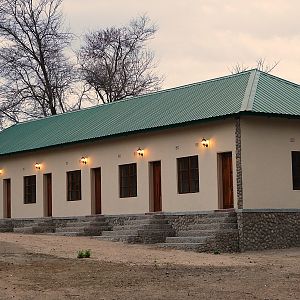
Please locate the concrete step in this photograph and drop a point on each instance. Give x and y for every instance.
(205, 232)
(74, 224)
(98, 223)
(143, 226)
(43, 229)
(189, 239)
(145, 221)
(213, 226)
(120, 238)
(86, 230)
(198, 247)
(65, 233)
(27, 229)
(70, 229)
(139, 232)
(129, 232)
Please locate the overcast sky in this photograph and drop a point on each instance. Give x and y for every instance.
(201, 39)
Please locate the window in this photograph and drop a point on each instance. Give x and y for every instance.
(128, 181)
(74, 185)
(29, 189)
(296, 169)
(188, 174)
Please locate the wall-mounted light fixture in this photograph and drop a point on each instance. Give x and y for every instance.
(140, 152)
(1, 172)
(83, 160)
(205, 142)
(38, 166)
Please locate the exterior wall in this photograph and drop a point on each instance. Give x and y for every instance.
(165, 145)
(266, 162)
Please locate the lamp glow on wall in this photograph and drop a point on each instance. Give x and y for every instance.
(205, 143)
(38, 166)
(1, 172)
(84, 160)
(140, 151)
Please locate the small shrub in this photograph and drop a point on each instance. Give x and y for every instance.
(216, 252)
(87, 253)
(84, 254)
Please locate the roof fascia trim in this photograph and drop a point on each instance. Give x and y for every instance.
(247, 103)
(125, 134)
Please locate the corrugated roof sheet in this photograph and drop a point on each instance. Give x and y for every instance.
(208, 99)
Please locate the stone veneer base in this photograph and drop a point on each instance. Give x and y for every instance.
(258, 229)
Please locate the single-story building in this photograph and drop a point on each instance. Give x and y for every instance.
(229, 142)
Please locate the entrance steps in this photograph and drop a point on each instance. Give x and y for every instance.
(84, 227)
(211, 232)
(147, 229)
(214, 231)
(88, 226)
(35, 226)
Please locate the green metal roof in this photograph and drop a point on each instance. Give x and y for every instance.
(252, 91)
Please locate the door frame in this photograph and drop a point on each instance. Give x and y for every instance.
(6, 199)
(151, 186)
(47, 213)
(220, 179)
(93, 191)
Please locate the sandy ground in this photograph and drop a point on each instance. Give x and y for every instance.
(46, 267)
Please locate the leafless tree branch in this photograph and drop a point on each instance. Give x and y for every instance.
(36, 77)
(116, 63)
(261, 65)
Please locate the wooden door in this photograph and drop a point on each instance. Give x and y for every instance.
(156, 171)
(7, 197)
(48, 194)
(97, 190)
(227, 180)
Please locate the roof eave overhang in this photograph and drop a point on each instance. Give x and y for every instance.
(153, 129)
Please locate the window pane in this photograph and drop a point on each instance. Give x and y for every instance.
(183, 163)
(296, 169)
(195, 186)
(74, 185)
(188, 174)
(128, 180)
(194, 162)
(30, 189)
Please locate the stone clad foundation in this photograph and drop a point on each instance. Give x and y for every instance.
(224, 231)
(268, 228)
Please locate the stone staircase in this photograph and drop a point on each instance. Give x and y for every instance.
(82, 227)
(35, 226)
(86, 226)
(210, 232)
(146, 229)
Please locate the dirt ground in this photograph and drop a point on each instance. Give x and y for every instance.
(46, 267)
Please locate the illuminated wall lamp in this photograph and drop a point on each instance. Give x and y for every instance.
(205, 142)
(140, 152)
(38, 166)
(1, 172)
(83, 160)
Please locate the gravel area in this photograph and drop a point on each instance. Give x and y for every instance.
(46, 267)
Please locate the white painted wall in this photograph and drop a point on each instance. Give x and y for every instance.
(108, 155)
(267, 163)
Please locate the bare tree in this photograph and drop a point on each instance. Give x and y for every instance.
(36, 77)
(116, 63)
(261, 65)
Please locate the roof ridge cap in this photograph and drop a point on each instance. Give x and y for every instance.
(247, 103)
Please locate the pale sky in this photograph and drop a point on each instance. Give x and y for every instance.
(201, 39)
